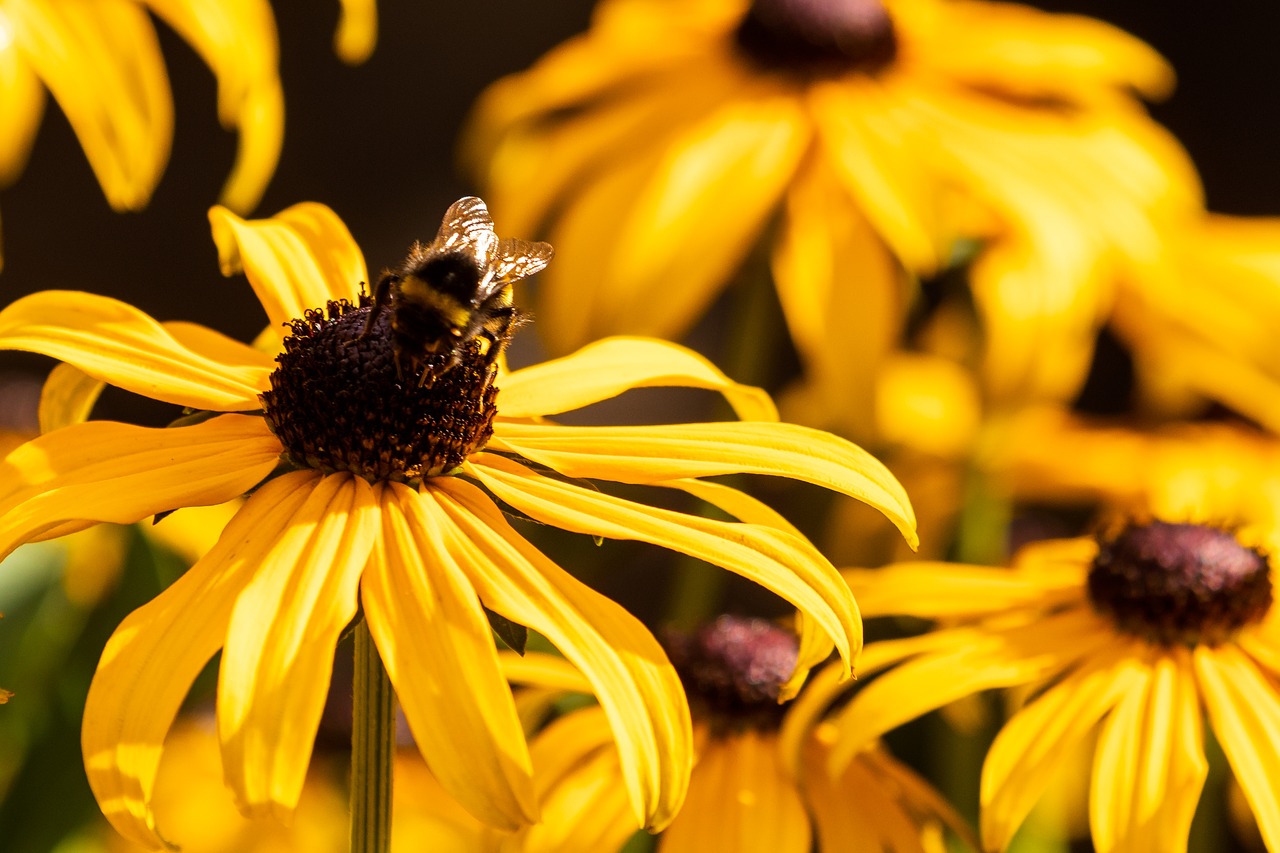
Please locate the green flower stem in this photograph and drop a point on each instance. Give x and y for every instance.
(373, 737)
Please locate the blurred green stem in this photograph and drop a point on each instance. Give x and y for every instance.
(373, 736)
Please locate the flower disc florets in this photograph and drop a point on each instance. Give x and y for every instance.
(734, 669)
(337, 402)
(1180, 583)
(821, 37)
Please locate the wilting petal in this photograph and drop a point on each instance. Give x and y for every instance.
(1244, 713)
(357, 31)
(155, 654)
(1020, 655)
(279, 651)
(120, 345)
(777, 560)
(740, 799)
(605, 369)
(102, 62)
(1042, 736)
(438, 649)
(651, 454)
(105, 471)
(237, 40)
(288, 273)
(628, 670)
(1150, 765)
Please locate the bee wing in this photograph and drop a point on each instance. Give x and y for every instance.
(467, 223)
(517, 259)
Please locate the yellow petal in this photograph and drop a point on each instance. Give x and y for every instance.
(605, 369)
(862, 808)
(690, 214)
(740, 799)
(152, 658)
(23, 99)
(120, 345)
(357, 31)
(237, 40)
(278, 658)
(1150, 764)
(947, 591)
(1020, 655)
(843, 294)
(651, 454)
(191, 531)
(628, 670)
(1244, 713)
(67, 397)
(583, 806)
(438, 650)
(331, 245)
(102, 62)
(876, 143)
(104, 471)
(786, 565)
(288, 272)
(1039, 738)
(542, 670)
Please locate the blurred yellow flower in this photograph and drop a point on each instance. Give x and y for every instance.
(656, 149)
(1137, 634)
(101, 61)
(752, 787)
(372, 489)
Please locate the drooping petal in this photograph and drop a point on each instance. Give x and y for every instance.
(1244, 713)
(438, 649)
(155, 654)
(740, 799)
(237, 40)
(1020, 655)
(279, 650)
(628, 670)
(287, 271)
(104, 471)
(1039, 738)
(102, 62)
(357, 31)
(1150, 765)
(777, 560)
(651, 454)
(23, 99)
(604, 369)
(116, 343)
(844, 297)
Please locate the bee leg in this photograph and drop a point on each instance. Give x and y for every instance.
(381, 298)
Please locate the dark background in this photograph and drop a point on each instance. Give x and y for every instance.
(376, 143)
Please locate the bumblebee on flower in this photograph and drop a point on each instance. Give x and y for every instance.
(385, 502)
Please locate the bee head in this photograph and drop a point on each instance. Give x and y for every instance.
(452, 272)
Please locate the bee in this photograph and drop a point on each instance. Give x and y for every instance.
(454, 290)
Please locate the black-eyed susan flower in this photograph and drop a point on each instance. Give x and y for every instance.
(659, 146)
(101, 61)
(1136, 635)
(372, 486)
(760, 780)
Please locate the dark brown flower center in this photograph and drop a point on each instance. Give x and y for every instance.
(818, 37)
(1180, 583)
(338, 403)
(733, 669)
